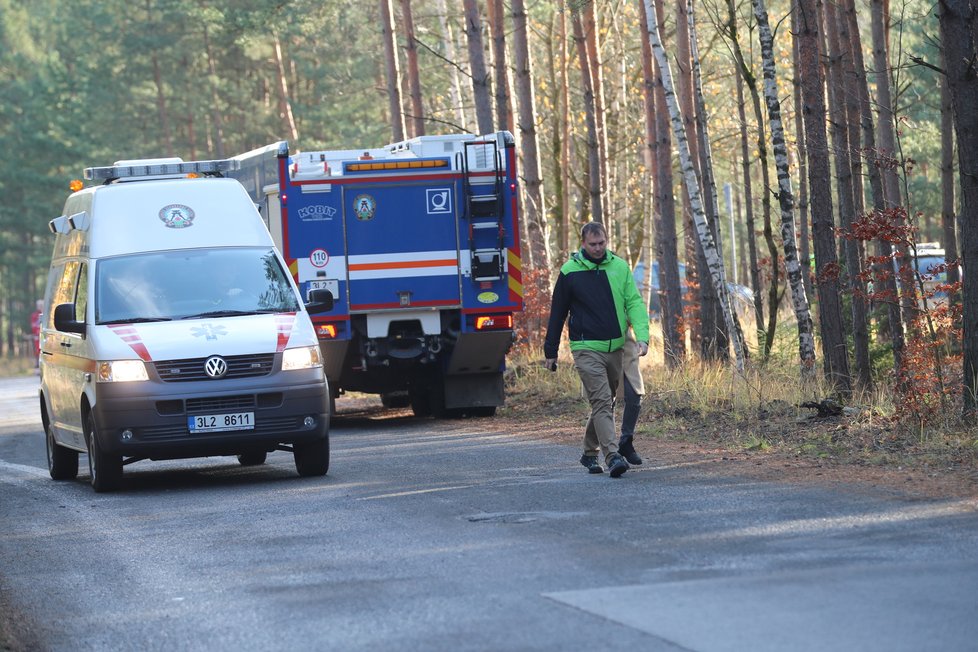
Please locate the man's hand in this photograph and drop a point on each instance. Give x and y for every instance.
(643, 348)
(551, 364)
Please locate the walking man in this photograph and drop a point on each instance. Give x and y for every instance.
(596, 288)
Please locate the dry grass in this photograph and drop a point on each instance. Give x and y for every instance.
(759, 415)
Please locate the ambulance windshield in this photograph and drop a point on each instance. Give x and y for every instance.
(191, 283)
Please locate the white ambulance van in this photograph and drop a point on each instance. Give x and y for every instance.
(173, 329)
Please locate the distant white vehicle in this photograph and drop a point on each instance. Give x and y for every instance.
(931, 265)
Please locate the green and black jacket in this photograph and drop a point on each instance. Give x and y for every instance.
(602, 301)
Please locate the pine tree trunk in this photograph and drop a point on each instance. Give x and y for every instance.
(455, 88)
(534, 211)
(161, 109)
(594, 163)
(282, 85)
(216, 112)
(959, 35)
(590, 25)
(393, 71)
(716, 341)
(887, 144)
(884, 282)
(950, 239)
(713, 257)
(504, 114)
(846, 197)
(703, 325)
(664, 207)
(823, 226)
(806, 339)
(755, 269)
(555, 93)
(648, 149)
(566, 143)
(477, 65)
(414, 79)
(852, 111)
(804, 236)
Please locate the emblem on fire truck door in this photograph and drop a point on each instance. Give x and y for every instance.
(364, 207)
(177, 216)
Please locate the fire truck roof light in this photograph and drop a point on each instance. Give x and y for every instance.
(396, 165)
(159, 167)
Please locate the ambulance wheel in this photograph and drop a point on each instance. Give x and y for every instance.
(104, 469)
(62, 462)
(253, 458)
(312, 458)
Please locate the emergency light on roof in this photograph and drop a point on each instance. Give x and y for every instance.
(395, 165)
(155, 169)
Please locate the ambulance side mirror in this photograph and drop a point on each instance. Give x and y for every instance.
(64, 319)
(319, 301)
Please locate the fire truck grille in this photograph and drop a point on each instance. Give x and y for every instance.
(192, 369)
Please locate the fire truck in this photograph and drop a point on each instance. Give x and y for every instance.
(418, 242)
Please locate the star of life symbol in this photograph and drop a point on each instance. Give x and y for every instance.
(208, 331)
(177, 216)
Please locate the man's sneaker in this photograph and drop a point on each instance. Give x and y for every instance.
(627, 451)
(616, 465)
(591, 463)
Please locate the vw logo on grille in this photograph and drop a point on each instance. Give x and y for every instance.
(215, 366)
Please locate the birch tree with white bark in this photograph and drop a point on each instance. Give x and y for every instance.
(799, 300)
(713, 258)
(716, 343)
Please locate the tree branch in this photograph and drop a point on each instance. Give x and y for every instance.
(920, 62)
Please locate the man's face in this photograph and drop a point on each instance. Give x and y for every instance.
(595, 245)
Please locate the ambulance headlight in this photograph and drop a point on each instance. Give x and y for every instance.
(121, 371)
(304, 357)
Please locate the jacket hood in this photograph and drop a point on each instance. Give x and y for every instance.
(581, 259)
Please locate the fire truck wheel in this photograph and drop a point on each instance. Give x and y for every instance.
(62, 462)
(312, 458)
(395, 399)
(420, 405)
(104, 469)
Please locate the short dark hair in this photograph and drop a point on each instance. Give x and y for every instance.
(593, 228)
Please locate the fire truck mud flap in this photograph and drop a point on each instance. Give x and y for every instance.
(473, 391)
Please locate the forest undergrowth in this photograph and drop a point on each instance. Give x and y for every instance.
(768, 416)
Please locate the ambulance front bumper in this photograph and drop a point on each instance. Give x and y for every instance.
(153, 419)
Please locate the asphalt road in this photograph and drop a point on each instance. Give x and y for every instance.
(450, 535)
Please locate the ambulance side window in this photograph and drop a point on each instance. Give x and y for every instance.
(81, 294)
(66, 290)
(51, 294)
